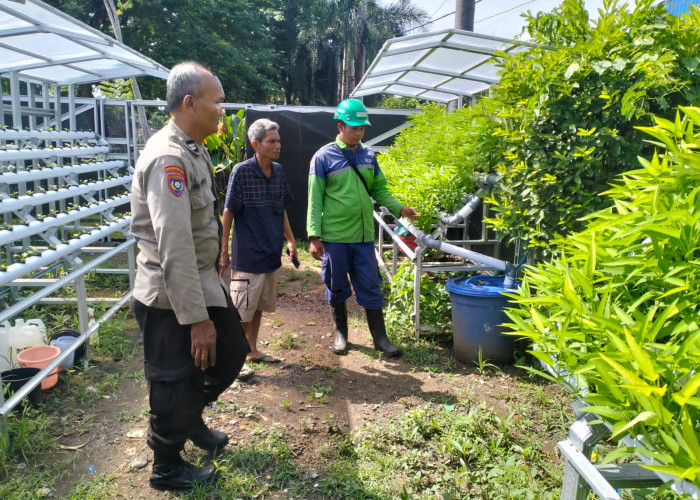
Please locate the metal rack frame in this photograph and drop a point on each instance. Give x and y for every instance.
(440, 230)
(64, 197)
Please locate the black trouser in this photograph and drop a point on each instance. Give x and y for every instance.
(179, 390)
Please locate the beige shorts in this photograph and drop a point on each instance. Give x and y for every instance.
(252, 292)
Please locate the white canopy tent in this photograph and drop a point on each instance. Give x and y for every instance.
(43, 45)
(442, 66)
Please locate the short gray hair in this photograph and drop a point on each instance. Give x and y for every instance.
(258, 129)
(184, 78)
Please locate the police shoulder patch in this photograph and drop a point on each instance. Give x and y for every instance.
(175, 178)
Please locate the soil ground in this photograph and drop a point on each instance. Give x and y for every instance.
(109, 436)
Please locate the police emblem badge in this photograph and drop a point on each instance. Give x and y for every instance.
(176, 179)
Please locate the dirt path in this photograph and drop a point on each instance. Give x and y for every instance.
(311, 394)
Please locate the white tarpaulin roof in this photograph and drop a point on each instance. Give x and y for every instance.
(440, 66)
(42, 44)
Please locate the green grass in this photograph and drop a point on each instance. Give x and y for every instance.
(25, 470)
(287, 340)
(450, 451)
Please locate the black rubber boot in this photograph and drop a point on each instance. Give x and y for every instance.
(211, 440)
(340, 323)
(375, 320)
(171, 472)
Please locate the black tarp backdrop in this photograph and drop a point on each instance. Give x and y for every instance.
(303, 131)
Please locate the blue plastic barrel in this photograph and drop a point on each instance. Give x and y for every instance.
(477, 310)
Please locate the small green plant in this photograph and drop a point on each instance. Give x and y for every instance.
(287, 340)
(286, 405)
(431, 163)
(319, 393)
(483, 365)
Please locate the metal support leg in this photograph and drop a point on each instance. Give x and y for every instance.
(131, 256)
(580, 476)
(417, 272)
(83, 318)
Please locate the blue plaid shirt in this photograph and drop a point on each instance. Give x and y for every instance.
(257, 204)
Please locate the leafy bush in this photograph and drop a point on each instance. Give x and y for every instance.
(619, 308)
(570, 106)
(434, 303)
(431, 163)
(227, 148)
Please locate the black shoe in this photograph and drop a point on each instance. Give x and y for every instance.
(180, 476)
(208, 439)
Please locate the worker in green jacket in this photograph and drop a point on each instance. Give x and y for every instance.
(344, 177)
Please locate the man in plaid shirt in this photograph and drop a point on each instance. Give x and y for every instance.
(257, 195)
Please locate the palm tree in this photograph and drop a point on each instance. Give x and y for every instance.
(339, 37)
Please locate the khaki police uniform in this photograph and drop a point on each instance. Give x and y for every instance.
(177, 231)
(175, 222)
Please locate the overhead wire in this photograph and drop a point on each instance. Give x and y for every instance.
(503, 12)
(431, 21)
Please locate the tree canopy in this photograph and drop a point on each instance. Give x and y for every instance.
(277, 51)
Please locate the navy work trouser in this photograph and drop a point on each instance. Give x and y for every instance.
(356, 260)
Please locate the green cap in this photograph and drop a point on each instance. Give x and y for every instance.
(352, 112)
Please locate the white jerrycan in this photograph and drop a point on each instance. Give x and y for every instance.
(5, 363)
(25, 334)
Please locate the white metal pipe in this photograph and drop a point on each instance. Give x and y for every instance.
(67, 280)
(410, 253)
(36, 379)
(14, 93)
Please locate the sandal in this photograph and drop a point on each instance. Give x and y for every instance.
(245, 373)
(265, 358)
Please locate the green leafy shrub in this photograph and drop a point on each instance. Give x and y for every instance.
(618, 310)
(570, 106)
(434, 303)
(431, 163)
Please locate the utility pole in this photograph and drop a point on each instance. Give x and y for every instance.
(464, 15)
(464, 20)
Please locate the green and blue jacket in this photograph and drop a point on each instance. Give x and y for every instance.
(340, 209)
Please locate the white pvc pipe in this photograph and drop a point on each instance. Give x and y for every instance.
(34, 263)
(428, 241)
(37, 227)
(45, 135)
(17, 204)
(47, 173)
(40, 153)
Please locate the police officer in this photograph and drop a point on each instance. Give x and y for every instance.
(343, 178)
(193, 341)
